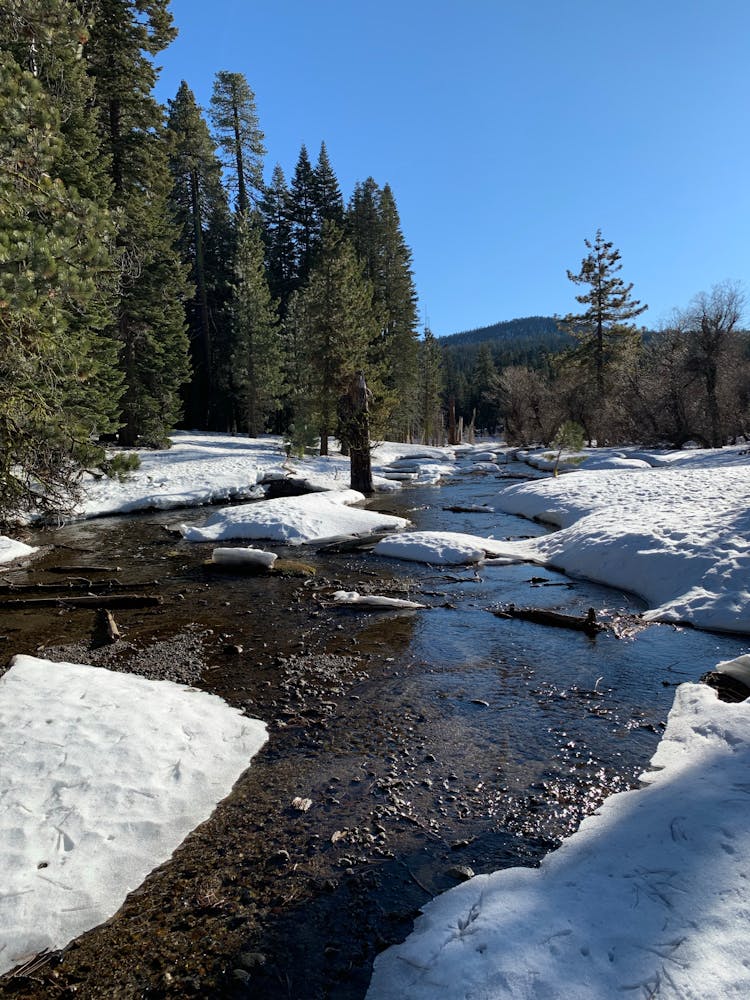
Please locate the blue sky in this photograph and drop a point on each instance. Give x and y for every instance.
(509, 132)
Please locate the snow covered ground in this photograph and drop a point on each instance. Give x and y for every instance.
(102, 775)
(678, 535)
(203, 468)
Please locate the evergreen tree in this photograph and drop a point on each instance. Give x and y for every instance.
(430, 390)
(125, 36)
(329, 204)
(238, 136)
(277, 233)
(363, 226)
(483, 378)
(336, 309)
(396, 306)
(56, 276)
(373, 221)
(257, 359)
(604, 332)
(49, 37)
(200, 208)
(304, 216)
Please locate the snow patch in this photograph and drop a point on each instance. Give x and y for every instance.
(102, 775)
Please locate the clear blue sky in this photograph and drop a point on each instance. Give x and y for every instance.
(509, 131)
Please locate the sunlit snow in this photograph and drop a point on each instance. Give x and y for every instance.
(102, 775)
(315, 517)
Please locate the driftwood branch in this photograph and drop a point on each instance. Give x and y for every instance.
(540, 616)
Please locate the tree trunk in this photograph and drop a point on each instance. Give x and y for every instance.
(452, 433)
(356, 407)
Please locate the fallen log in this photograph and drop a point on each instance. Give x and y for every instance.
(469, 508)
(68, 570)
(74, 585)
(540, 616)
(88, 601)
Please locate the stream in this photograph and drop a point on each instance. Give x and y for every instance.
(405, 750)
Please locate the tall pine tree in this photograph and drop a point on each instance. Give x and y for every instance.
(200, 207)
(257, 362)
(56, 277)
(276, 213)
(339, 324)
(375, 227)
(604, 331)
(238, 136)
(150, 324)
(304, 216)
(430, 390)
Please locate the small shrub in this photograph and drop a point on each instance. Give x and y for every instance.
(121, 465)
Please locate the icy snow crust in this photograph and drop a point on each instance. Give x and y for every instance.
(648, 898)
(102, 775)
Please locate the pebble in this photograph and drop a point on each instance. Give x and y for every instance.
(461, 872)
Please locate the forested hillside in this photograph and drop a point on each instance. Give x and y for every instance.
(152, 278)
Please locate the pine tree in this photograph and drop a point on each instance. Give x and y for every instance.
(329, 204)
(483, 378)
(396, 305)
(363, 226)
(430, 390)
(304, 216)
(125, 36)
(49, 37)
(277, 234)
(373, 221)
(604, 331)
(238, 136)
(200, 208)
(336, 308)
(257, 361)
(56, 277)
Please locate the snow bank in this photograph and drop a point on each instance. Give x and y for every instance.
(102, 775)
(444, 548)
(10, 549)
(315, 517)
(678, 536)
(651, 895)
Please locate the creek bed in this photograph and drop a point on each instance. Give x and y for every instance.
(428, 743)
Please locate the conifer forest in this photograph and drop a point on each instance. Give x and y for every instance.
(152, 277)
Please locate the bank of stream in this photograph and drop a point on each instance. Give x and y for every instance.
(406, 750)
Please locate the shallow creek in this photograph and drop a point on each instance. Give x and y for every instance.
(428, 743)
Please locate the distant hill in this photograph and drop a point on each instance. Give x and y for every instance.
(527, 329)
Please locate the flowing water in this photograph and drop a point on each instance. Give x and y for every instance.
(426, 742)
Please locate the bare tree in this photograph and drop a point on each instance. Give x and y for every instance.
(712, 323)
